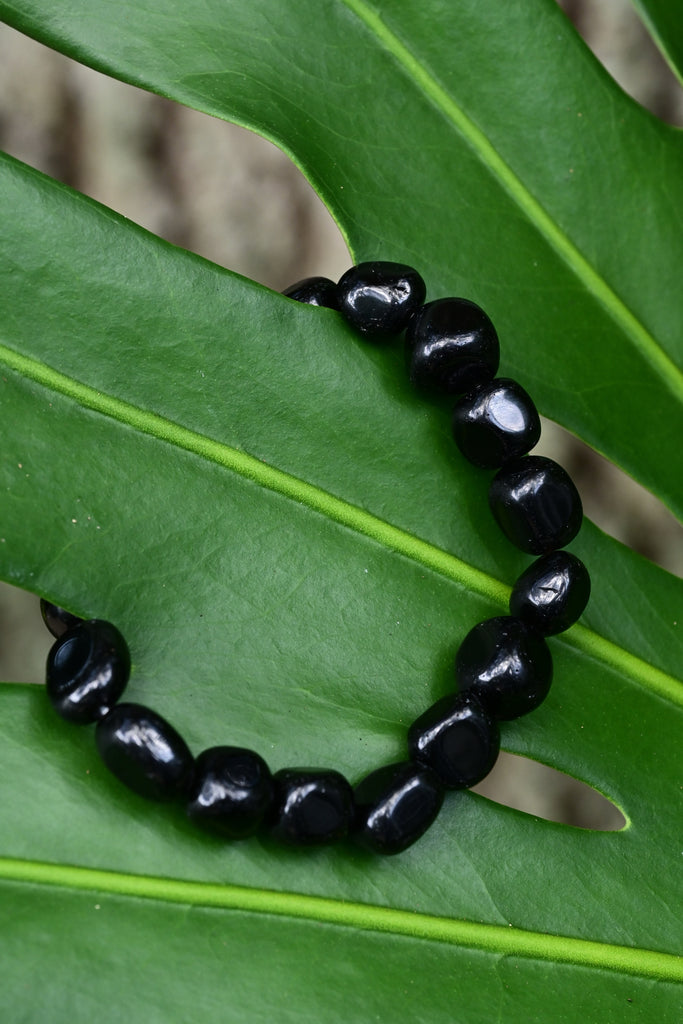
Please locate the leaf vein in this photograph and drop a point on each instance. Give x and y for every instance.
(499, 940)
(547, 226)
(334, 508)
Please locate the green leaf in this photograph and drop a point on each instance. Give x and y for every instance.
(294, 550)
(485, 145)
(261, 602)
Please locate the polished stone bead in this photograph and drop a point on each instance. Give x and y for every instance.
(314, 291)
(395, 805)
(451, 347)
(231, 791)
(311, 806)
(379, 298)
(457, 738)
(536, 504)
(506, 664)
(145, 752)
(552, 593)
(495, 422)
(57, 619)
(87, 671)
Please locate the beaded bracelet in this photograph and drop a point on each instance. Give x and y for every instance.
(503, 668)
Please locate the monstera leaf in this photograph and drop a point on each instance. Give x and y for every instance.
(294, 549)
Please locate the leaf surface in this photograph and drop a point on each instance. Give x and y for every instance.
(291, 589)
(444, 137)
(294, 550)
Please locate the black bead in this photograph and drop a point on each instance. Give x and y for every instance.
(552, 593)
(311, 806)
(87, 671)
(144, 752)
(495, 422)
(506, 664)
(379, 298)
(395, 805)
(231, 791)
(536, 504)
(314, 291)
(457, 738)
(451, 347)
(57, 619)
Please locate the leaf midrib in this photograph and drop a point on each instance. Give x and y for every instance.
(558, 240)
(491, 938)
(336, 509)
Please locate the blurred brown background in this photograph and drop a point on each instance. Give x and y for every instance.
(225, 193)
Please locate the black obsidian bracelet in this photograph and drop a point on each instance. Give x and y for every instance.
(503, 668)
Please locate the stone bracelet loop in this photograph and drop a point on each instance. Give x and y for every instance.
(503, 668)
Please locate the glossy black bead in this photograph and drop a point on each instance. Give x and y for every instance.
(395, 805)
(536, 504)
(451, 347)
(231, 791)
(495, 422)
(311, 806)
(552, 593)
(57, 619)
(87, 671)
(144, 752)
(314, 291)
(457, 738)
(379, 298)
(506, 664)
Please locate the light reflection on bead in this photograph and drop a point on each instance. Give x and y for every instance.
(451, 346)
(231, 791)
(395, 805)
(457, 738)
(144, 752)
(536, 504)
(87, 671)
(311, 806)
(495, 422)
(552, 593)
(378, 298)
(506, 664)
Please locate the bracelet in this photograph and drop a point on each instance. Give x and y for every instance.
(503, 668)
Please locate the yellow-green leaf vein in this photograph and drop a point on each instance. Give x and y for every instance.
(495, 939)
(329, 505)
(645, 342)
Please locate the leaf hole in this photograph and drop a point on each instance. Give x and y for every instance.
(25, 640)
(532, 787)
